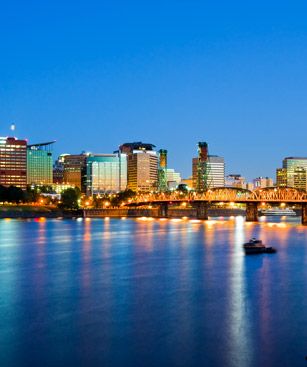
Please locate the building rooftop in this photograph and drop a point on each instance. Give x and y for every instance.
(137, 146)
(303, 158)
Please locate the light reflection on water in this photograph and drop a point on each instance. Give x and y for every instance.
(152, 292)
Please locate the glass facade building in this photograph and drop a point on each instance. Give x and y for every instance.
(13, 162)
(106, 173)
(39, 164)
(293, 173)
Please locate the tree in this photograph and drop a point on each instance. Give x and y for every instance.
(31, 194)
(3, 195)
(70, 198)
(183, 188)
(122, 197)
(15, 194)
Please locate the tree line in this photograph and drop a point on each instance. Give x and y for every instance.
(13, 194)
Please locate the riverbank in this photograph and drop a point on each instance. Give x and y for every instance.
(36, 211)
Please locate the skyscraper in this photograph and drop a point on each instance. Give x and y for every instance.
(142, 166)
(75, 170)
(106, 173)
(39, 164)
(293, 173)
(281, 177)
(142, 170)
(58, 170)
(13, 162)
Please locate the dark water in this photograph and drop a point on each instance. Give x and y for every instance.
(151, 293)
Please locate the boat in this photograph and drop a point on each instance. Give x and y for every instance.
(278, 212)
(254, 246)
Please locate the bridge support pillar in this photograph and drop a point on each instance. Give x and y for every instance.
(202, 210)
(304, 214)
(163, 210)
(251, 212)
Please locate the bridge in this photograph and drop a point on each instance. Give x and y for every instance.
(201, 201)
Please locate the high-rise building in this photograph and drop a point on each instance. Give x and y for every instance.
(142, 170)
(75, 170)
(13, 162)
(215, 171)
(299, 178)
(39, 164)
(281, 177)
(106, 173)
(293, 170)
(142, 166)
(58, 170)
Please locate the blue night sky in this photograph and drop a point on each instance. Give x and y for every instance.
(94, 74)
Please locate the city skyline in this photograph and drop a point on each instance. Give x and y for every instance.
(56, 155)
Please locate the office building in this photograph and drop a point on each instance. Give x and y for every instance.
(142, 165)
(58, 170)
(281, 177)
(142, 170)
(215, 172)
(13, 162)
(299, 178)
(106, 173)
(75, 170)
(293, 172)
(39, 164)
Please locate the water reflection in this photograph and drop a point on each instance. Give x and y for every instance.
(240, 334)
(151, 292)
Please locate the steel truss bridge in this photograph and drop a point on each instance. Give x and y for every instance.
(201, 201)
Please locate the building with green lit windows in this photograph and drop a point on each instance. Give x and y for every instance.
(293, 173)
(40, 164)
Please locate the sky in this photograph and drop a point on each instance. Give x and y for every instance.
(95, 74)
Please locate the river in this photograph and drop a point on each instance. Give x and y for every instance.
(151, 292)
